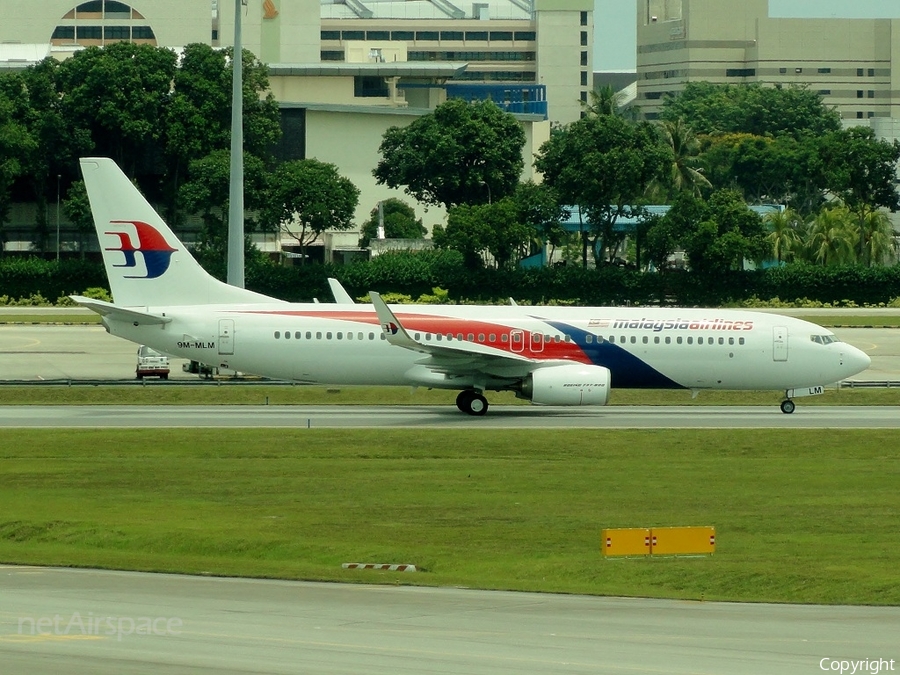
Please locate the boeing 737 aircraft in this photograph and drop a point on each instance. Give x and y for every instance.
(566, 356)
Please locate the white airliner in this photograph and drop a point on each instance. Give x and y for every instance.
(566, 356)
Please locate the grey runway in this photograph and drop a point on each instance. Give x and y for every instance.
(447, 417)
(210, 625)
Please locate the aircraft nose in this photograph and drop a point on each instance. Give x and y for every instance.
(855, 360)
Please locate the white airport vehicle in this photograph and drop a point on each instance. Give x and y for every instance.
(566, 356)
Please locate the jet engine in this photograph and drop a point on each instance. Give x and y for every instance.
(574, 384)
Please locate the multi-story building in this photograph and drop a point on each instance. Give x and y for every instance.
(853, 63)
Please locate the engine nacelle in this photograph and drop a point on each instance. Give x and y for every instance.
(575, 384)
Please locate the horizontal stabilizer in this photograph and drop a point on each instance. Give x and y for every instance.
(119, 313)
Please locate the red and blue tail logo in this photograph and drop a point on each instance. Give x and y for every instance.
(155, 251)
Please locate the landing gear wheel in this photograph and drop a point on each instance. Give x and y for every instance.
(472, 403)
(787, 406)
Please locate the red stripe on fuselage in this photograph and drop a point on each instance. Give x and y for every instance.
(444, 325)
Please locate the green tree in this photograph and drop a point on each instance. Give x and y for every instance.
(479, 230)
(751, 108)
(16, 145)
(400, 222)
(77, 208)
(307, 197)
(767, 169)
(716, 235)
(206, 193)
(538, 207)
(685, 172)
(862, 170)
(603, 164)
(198, 115)
(877, 239)
(461, 153)
(832, 237)
(119, 94)
(785, 233)
(603, 101)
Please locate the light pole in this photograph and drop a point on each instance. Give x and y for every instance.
(58, 178)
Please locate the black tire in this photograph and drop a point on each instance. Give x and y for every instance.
(787, 406)
(464, 400)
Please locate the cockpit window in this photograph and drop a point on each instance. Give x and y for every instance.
(823, 339)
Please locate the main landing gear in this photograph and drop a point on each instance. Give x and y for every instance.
(787, 406)
(472, 402)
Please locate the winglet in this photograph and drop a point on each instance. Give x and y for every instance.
(394, 331)
(341, 296)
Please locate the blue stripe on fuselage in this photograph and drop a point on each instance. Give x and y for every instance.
(626, 369)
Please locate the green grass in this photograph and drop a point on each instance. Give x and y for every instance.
(801, 516)
(76, 319)
(861, 321)
(157, 393)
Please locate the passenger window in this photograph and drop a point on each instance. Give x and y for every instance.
(383, 337)
(277, 334)
(740, 341)
(645, 340)
(328, 335)
(438, 337)
(504, 338)
(656, 339)
(589, 339)
(517, 337)
(471, 337)
(340, 335)
(668, 340)
(309, 335)
(633, 339)
(721, 341)
(678, 339)
(731, 341)
(492, 338)
(481, 337)
(360, 336)
(623, 339)
(349, 335)
(690, 340)
(318, 335)
(427, 337)
(287, 335)
(417, 336)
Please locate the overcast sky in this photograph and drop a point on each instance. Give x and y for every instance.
(615, 22)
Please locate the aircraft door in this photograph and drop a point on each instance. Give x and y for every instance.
(226, 336)
(517, 340)
(779, 343)
(537, 342)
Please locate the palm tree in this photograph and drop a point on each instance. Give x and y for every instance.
(785, 233)
(876, 238)
(603, 101)
(833, 236)
(684, 173)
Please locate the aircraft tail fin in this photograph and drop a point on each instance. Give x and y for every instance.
(146, 264)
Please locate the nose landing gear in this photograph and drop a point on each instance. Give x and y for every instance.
(472, 402)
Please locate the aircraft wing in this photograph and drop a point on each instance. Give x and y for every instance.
(452, 357)
(121, 313)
